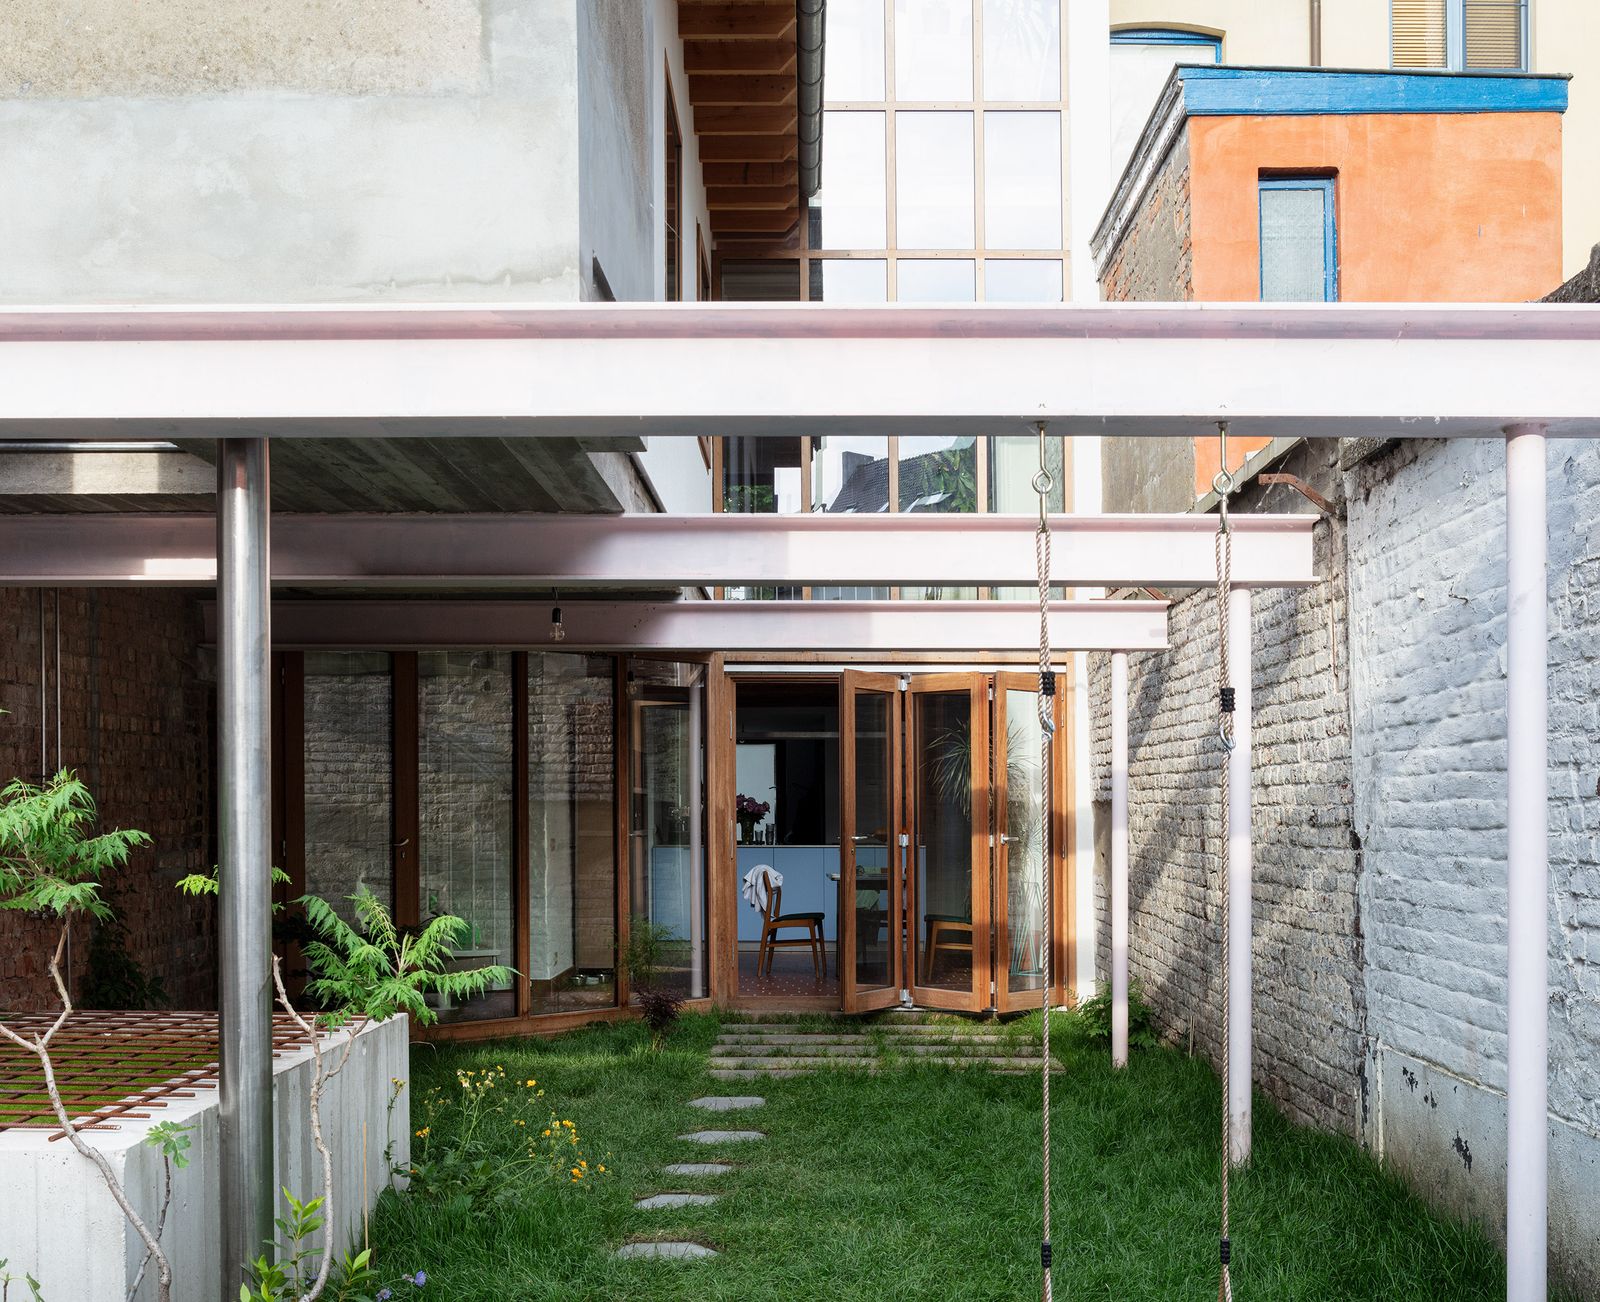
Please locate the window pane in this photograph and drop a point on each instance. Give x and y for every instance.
(1022, 180)
(572, 874)
(1293, 250)
(933, 49)
(767, 281)
(464, 798)
(667, 832)
(935, 280)
(1013, 462)
(933, 179)
(938, 474)
(849, 280)
(1493, 33)
(872, 843)
(1021, 49)
(1138, 74)
(849, 473)
(854, 50)
(349, 776)
(942, 855)
(1420, 34)
(761, 475)
(848, 211)
(1026, 933)
(1018, 280)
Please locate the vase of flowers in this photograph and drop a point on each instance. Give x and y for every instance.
(749, 811)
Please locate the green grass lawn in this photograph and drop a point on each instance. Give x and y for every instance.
(919, 1183)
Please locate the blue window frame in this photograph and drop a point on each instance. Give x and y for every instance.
(1169, 36)
(1299, 240)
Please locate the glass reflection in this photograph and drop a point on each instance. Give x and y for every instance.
(1022, 180)
(871, 840)
(849, 211)
(854, 50)
(1024, 847)
(1022, 280)
(944, 825)
(1021, 49)
(933, 49)
(933, 181)
(849, 280)
(935, 280)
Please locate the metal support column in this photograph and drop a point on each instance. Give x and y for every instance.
(244, 903)
(1119, 858)
(1239, 882)
(1528, 874)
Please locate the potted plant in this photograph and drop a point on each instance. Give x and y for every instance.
(749, 811)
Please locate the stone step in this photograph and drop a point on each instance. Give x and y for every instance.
(784, 1073)
(728, 1102)
(697, 1168)
(862, 1028)
(801, 1037)
(748, 1062)
(723, 1136)
(810, 1048)
(664, 1251)
(656, 1201)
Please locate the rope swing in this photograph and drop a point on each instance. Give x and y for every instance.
(1224, 484)
(1043, 483)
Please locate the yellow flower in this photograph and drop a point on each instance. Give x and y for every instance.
(601, 1168)
(423, 1133)
(576, 1174)
(584, 1165)
(547, 1134)
(532, 1083)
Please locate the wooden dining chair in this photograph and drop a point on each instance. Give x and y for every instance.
(949, 932)
(776, 921)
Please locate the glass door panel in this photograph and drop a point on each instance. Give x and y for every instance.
(869, 877)
(1021, 930)
(948, 771)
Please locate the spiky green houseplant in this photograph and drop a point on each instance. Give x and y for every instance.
(52, 862)
(367, 971)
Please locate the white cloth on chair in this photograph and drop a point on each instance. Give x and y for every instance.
(758, 885)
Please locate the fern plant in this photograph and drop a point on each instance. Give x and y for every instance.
(1094, 1018)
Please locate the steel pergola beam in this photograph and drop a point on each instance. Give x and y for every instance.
(732, 626)
(475, 552)
(1138, 369)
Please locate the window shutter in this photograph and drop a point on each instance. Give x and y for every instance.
(1494, 33)
(1419, 31)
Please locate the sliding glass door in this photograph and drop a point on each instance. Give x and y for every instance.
(870, 853)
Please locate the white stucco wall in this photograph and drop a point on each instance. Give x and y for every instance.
(59, 1222)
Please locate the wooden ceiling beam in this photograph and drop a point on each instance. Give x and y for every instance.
(749, 149)
(753, 220)
(740, 91)
(748, 21)
(719, 174)
(752, 196)
(753, 57)
(764, 120)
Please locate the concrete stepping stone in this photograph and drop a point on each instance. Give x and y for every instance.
(722, 1136)
(675, 1200)
(728, 1102)
(664, 1251)
(697, 1168)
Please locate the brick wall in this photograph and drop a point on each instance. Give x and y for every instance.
(135, 722)
(1310, 1007)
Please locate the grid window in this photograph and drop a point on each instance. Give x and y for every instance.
(1459, 34)
(850, 209)
(934, 180)
(1022, 180)
(932, 50)
(1022, 49)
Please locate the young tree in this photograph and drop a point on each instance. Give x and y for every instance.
(51, 864)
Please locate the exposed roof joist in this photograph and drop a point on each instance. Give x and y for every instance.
(655, 552)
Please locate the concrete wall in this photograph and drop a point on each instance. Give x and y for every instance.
(288, 151)
(135, 719)
(58, 1220)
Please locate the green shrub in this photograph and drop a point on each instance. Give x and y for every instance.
(1093, 1017)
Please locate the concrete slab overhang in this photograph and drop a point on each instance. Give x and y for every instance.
(1272, 370)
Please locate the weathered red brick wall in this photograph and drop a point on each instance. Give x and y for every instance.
(135, 723)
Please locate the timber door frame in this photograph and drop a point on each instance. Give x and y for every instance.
(851, 684)
(978, 998)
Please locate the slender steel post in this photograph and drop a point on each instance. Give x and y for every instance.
(1528, 873)
(1239, 882)
(244, 903)
(1119, 858)
(697, 867)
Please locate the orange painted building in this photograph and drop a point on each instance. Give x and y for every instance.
(1318, 185)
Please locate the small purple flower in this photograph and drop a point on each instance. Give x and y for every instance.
(385, 1294)
(421, 1278)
